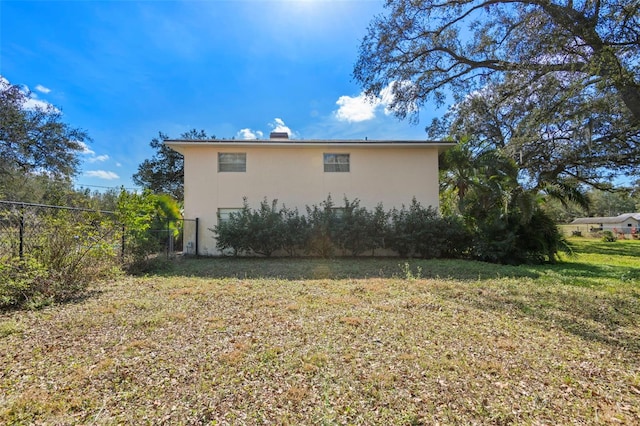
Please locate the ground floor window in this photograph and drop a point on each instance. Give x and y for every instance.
(225, 213)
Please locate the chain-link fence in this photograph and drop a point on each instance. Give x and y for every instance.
(29, 229)
(176, 237)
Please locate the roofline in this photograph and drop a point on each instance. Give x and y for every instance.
(310, 143)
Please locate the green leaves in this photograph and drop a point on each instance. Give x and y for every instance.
(552, 83)
(36, 139)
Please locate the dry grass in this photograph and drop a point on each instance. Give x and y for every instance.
(482, 344)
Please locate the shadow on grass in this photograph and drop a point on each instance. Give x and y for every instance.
(342, 268)
(606, 318)
(618, 248)
(582, 274)
(596, 302)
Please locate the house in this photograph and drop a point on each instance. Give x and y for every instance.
(219, 174)
(627, 223)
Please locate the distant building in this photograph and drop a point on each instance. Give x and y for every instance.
(627, 223)
(218, 174)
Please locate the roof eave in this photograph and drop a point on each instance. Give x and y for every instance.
(176, 144)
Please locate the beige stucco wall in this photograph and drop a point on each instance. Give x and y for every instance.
(294, 175)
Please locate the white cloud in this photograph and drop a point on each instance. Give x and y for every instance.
(355, 109)
(249, 134)
(42, 89)
(361, 108)
(34, 103)
(84, 149)
(102, 174)
(92, 157)
(277, 125)
(98, 159)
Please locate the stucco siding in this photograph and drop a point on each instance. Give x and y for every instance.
(295, 176)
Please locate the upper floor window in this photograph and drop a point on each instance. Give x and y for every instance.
(232, 162)
(336, 162)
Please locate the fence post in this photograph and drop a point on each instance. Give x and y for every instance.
(122, 243)
(21, 231)
(168, 243)
(197, 221)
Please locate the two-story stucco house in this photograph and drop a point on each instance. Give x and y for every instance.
(218, 174)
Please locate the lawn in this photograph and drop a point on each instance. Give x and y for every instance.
(350, 341)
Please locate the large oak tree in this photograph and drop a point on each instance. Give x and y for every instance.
(554, 84)
(34, 139)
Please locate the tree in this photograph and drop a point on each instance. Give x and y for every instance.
(34, 140)
(558, 80)
(164, 172)
(141, 215)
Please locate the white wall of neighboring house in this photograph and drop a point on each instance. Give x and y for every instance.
(626, 223)
(391, 173)
(624, 227)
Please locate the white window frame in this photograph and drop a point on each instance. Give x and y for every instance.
(231, 163)
(334, 162)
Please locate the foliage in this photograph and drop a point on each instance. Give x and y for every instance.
(377, 229)
(323, 223)
(351, 228)
(295, 229)
(554, 83)
(164, 172)
(21, 280)
(609, 237)
(139, 215)
(71, 255)
(266, 226)
(541, 240)
(507, 221)
(513, 231)
(233, 233)
(356, 231)
(35, 139)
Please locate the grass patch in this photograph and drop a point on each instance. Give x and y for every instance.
(311, 341)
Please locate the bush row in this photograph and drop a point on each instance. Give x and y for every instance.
(348, 229)
(412, 231)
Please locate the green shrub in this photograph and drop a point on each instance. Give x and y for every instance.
(323, 228)
(62, 265)
(233, 233)
(609, 237)
(21, 280)
(265, 231)
(421, 232)
(540, 239)
(413, 231)
(140, 214)
(295, 231)
(356, 231)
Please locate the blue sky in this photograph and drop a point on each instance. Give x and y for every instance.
(125, 70)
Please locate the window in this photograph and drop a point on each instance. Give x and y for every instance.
(336, 162)
(232, 162)
(224, 214)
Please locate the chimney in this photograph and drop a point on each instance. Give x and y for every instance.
(278, 135)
